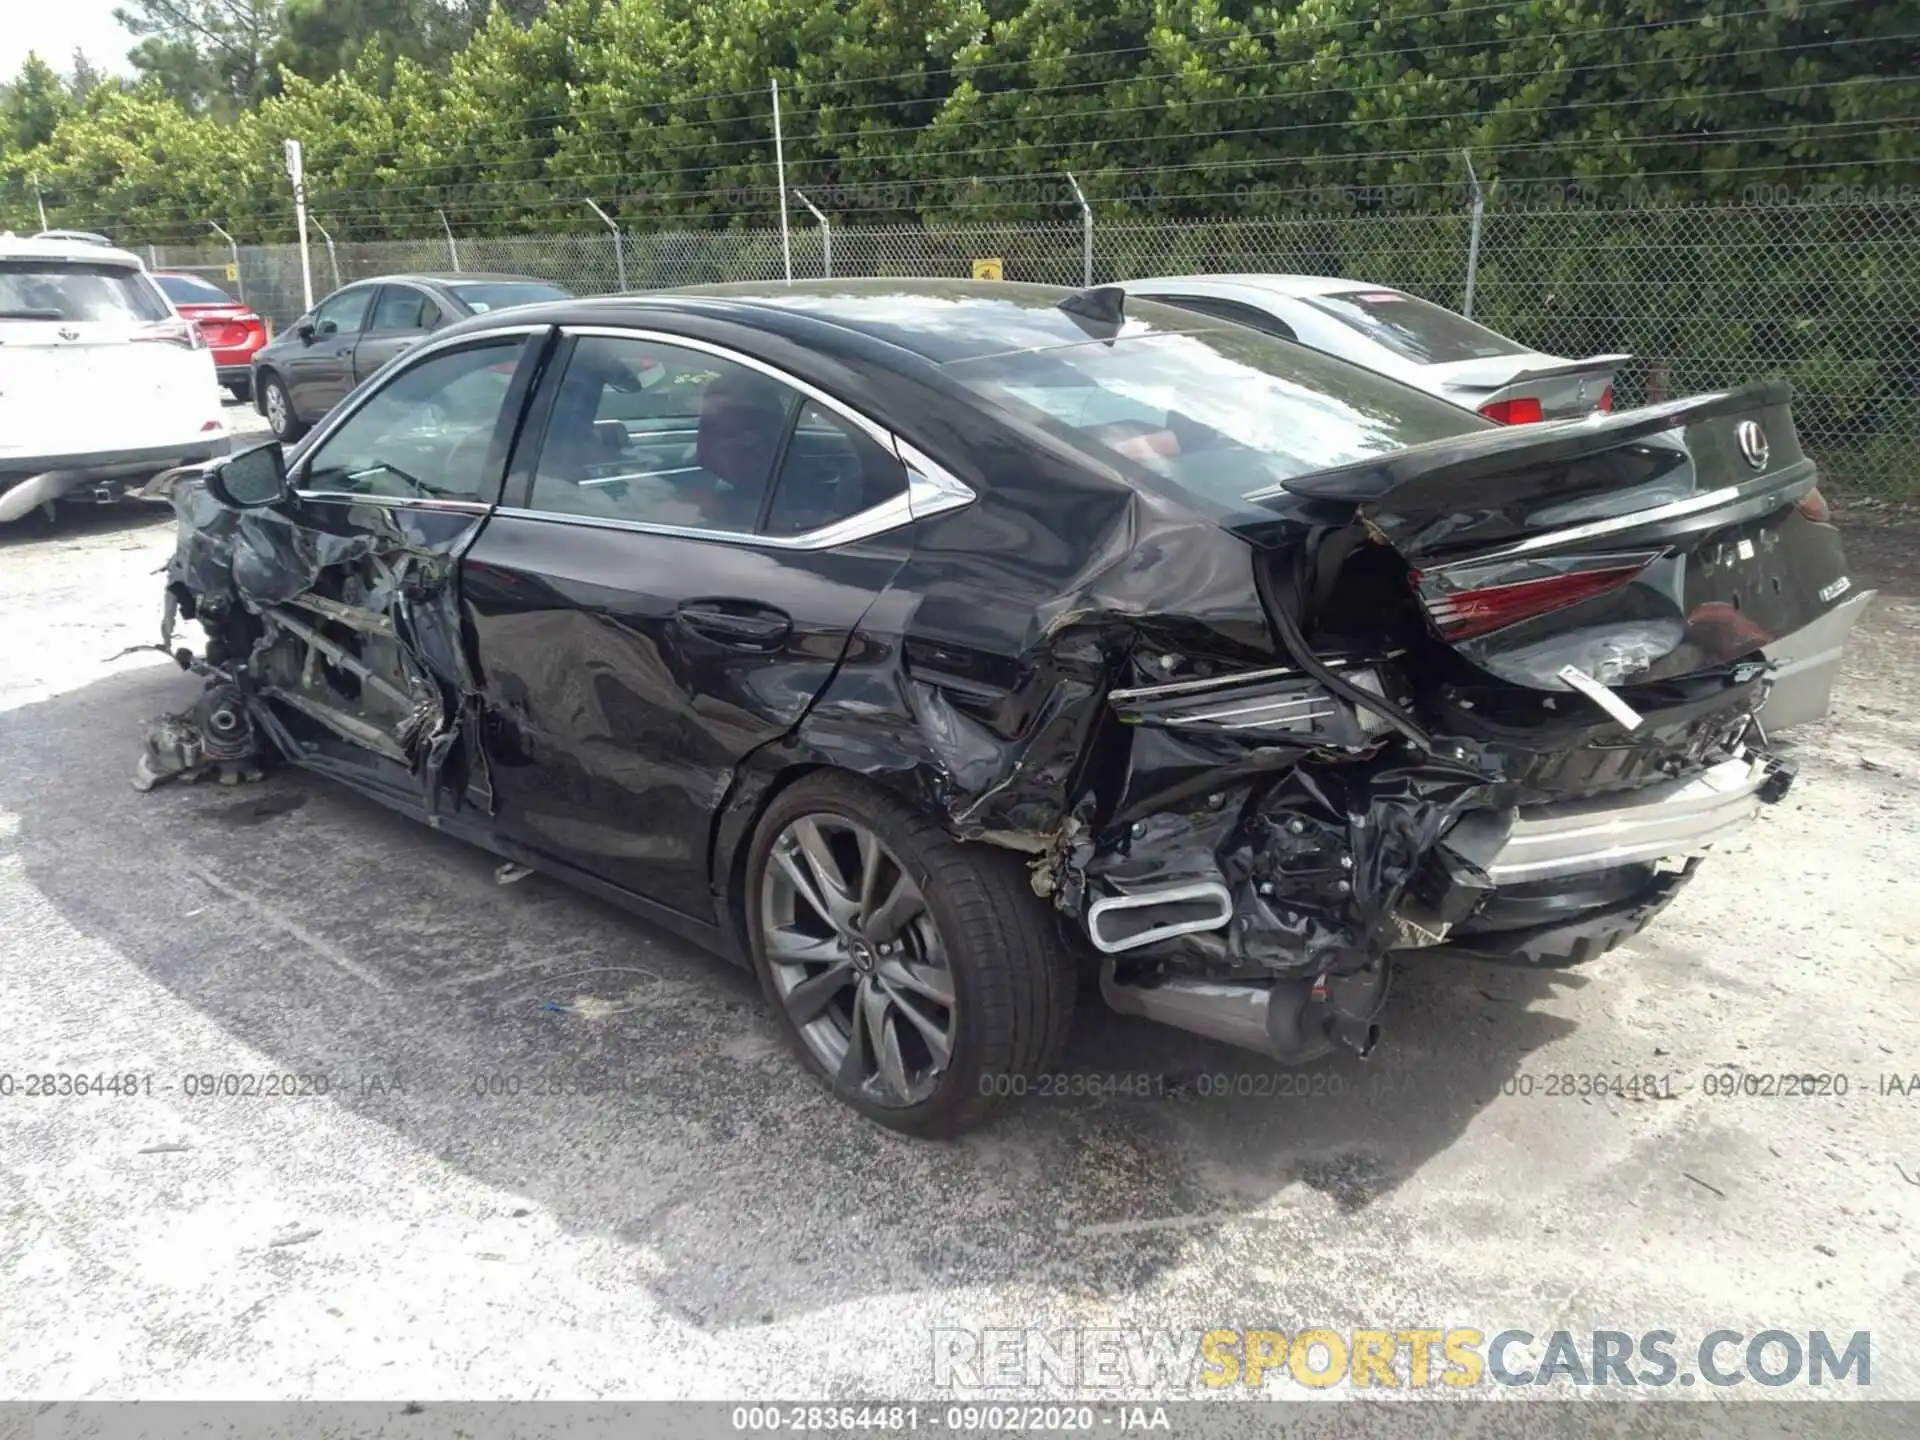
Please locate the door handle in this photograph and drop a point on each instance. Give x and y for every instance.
(744, 624)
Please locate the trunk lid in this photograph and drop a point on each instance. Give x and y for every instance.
(1565, 389)
(1616, 550)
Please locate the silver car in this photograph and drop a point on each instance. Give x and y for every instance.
(1402, 336)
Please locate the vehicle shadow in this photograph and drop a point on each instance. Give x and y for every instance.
(335, 938)
(75, 523)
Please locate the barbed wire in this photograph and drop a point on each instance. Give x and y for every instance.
(520, 123)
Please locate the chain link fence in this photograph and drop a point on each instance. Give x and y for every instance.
(1827, 294)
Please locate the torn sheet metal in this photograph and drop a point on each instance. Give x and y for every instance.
(345, 617)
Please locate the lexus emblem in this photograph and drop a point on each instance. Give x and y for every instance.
(1753, 444)
(67, 332)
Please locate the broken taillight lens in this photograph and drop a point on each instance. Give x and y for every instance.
(1813, 505)
(1523, 411)
(1463, 614)
(172, 332)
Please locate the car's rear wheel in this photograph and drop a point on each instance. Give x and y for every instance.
(241, 390)
(915, 975)
(278, 405)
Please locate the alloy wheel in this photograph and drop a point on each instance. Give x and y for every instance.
(276, 409)
(857, 959)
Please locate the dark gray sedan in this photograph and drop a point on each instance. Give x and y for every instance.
(309, 368)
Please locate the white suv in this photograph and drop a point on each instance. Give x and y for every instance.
(102, 384)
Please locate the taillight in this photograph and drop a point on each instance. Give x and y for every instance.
(172, 332)
(1605, 407)
(1461, 614)
(1524, 411)
(1813, 505)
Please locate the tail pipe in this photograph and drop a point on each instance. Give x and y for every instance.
(1292, 1020)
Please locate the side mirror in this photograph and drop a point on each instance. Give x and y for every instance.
(252, 479)
(305, 331)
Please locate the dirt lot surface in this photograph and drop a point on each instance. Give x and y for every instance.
(709, 1224)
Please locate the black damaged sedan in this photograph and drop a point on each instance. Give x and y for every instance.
(930, 646)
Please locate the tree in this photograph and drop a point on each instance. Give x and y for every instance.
(86, 78)
(211, 55)
(37, 101)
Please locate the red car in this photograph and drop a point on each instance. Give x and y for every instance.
(231, 330)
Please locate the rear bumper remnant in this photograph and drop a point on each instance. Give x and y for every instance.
(1544, 842)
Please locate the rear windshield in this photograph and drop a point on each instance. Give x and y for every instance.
(1219, 412)
(191, 290)
(76, 290)
(485, 295)
(1412, 328)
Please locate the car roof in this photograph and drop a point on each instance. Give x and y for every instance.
(450, 277)
(36, 247)
(942, 321)
(1291, 285)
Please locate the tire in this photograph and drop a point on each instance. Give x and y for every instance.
(241, 390)
(277, 405)
(979, 931)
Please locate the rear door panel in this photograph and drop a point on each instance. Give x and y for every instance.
(614, 728)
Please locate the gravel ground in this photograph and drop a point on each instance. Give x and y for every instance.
(716, 1227)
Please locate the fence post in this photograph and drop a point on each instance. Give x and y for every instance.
(453, 250)
(619, 251)
(297, 172)
(780, 177)
(1473, 236)
(39, 204)
(239, 280)
(333, 258)
(1086, 233)
(826, 235)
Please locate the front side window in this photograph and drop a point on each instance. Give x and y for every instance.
(1218, 412)
(653, 433)
(427, 434)
(1413, 328)
(343, 314)
(77, 290)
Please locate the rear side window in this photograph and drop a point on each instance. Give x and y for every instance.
(481, 296)
(660, 435)
(1239, 314)
(192, 290)
(1412, 328)
(77, 290)
(833, 470)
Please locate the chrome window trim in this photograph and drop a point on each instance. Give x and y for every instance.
(931, 488)
(397, 502)
(390, 373)
(870, 523)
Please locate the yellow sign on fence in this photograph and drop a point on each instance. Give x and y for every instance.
(988, 268)
(233, 272)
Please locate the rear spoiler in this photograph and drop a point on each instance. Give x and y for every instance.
(1592, 365)
(1498, 449)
